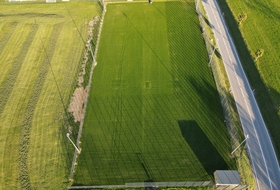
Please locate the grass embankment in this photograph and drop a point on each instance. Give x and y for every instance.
(259, 31)
(154, 113)
(40, 52)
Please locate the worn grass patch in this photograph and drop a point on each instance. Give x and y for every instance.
(154, 112)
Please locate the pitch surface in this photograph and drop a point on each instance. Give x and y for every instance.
(153, 112)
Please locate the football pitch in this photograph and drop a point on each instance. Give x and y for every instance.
(153, 112)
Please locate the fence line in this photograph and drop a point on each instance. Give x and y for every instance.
(94, 63)
(150, 184)
(235, 131)
(224, 94)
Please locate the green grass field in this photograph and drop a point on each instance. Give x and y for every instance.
(259, 31)
(40, 53)
(153, 113)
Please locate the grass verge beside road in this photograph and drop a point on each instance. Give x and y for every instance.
(259, 31)
(40, 52)
(231, 115)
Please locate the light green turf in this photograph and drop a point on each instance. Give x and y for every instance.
(34, 151)
(262, 30)
(153, 112)
(265, 35)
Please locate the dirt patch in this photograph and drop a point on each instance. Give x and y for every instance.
(77, 103)
(78, 99)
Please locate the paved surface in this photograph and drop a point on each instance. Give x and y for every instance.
(262, 155)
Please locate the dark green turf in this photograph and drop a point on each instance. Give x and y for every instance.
(153, 112)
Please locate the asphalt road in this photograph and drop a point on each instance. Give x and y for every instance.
(259, 147)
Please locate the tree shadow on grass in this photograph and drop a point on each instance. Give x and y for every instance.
(202, 147)
(144, 165)
(207, 93)
(207, 21)
(275, 131)
(264, 8)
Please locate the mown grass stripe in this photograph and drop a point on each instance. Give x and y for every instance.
(28, 116)
(4, 40)
(9, 82)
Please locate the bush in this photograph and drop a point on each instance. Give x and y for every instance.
(242, 17)
(258, 54)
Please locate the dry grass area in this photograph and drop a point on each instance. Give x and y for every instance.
(41, 54)
(77, 103)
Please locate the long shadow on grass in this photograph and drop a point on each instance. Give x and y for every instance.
(206, 21)
(262, 95)
(145, 167)
(259, 5)
(207, 93)
(202, 147)
(276, 131)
